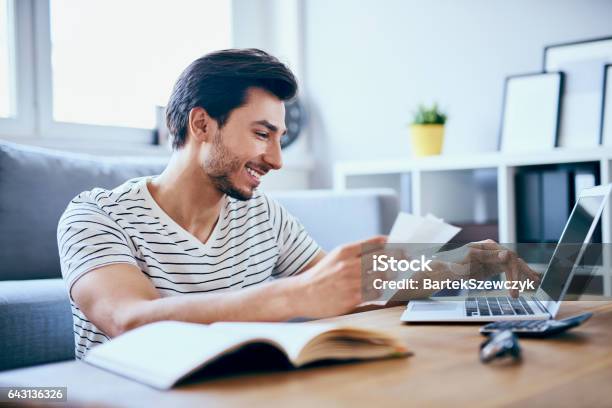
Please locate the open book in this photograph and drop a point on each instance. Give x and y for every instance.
(161, 354)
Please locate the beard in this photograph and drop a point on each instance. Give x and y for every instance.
(220, 166)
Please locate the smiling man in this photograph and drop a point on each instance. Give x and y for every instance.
(199, 242)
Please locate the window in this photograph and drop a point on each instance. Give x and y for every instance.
(95, 70)
(113, 61)
(7, 60)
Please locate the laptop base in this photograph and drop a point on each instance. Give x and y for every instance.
(454, 311)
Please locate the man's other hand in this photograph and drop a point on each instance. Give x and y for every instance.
(333, 286)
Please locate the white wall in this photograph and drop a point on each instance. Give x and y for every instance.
(368, 63)
(276, 27)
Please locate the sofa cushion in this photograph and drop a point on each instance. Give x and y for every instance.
(35, 188)
(35, 322)
(338, 217)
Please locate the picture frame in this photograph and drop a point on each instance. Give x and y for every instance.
(605, 128)
(531, 112)
(582, 62)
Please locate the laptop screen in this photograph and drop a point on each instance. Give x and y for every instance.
(567, 252)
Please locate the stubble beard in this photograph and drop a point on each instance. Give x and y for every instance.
(219, 168)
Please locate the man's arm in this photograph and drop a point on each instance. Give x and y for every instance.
(119, 297)
(317, 258)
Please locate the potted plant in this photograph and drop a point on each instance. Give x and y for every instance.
(427, 130)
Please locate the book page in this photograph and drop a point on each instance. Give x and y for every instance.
(293, 337)
(159, 354)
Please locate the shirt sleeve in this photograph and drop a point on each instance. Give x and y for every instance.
(296, 247)
(87, 238)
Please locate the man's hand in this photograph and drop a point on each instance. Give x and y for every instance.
(484, 259)
(333, 286)
(489, 258)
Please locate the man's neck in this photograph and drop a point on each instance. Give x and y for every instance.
(187, 195)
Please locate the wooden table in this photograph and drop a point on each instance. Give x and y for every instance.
(574, 369)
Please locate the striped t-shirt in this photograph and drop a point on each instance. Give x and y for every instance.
(252, 242)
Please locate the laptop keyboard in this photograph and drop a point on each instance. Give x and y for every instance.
(496, 306)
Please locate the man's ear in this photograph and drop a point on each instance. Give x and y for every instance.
(201, 126)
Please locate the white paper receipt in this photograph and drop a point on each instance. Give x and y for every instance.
(414, 229)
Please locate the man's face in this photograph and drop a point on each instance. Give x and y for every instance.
(248, 146)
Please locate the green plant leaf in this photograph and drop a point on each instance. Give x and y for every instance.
(429, 116)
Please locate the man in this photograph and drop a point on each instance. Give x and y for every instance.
(198, 242)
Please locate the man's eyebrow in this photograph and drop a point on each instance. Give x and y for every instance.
(267, 124)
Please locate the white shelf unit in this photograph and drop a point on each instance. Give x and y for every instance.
(474, 188)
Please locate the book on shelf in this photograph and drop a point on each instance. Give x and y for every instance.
(161, 354)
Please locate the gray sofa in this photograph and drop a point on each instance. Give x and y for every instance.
(35, 187)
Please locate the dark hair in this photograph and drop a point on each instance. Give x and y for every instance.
(218, 82)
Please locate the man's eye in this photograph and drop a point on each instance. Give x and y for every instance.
(262, 134)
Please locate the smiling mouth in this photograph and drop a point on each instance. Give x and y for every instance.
(255, 174)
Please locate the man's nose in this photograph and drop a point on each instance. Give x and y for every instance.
(273, 156)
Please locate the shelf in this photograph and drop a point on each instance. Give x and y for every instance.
(477, 188)
(474, 161)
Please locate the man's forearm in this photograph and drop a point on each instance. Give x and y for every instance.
(278, 300)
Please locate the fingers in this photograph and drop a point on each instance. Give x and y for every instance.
(512, 274)
(518, 270)
(368, 290)
(487, 244)
(489, 256)
(515, 269)
(526, 272)
(356, 249)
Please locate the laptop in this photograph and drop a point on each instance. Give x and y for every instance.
(544, 304)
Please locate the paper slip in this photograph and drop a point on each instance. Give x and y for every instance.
(413, 229)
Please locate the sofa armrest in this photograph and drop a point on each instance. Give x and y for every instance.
(35, 323)
(338, 217)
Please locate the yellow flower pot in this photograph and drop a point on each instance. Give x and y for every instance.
(426, 139)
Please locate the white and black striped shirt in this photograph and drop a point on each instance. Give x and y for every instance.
(252, 242)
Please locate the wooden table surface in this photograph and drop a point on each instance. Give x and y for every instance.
(574, 369)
